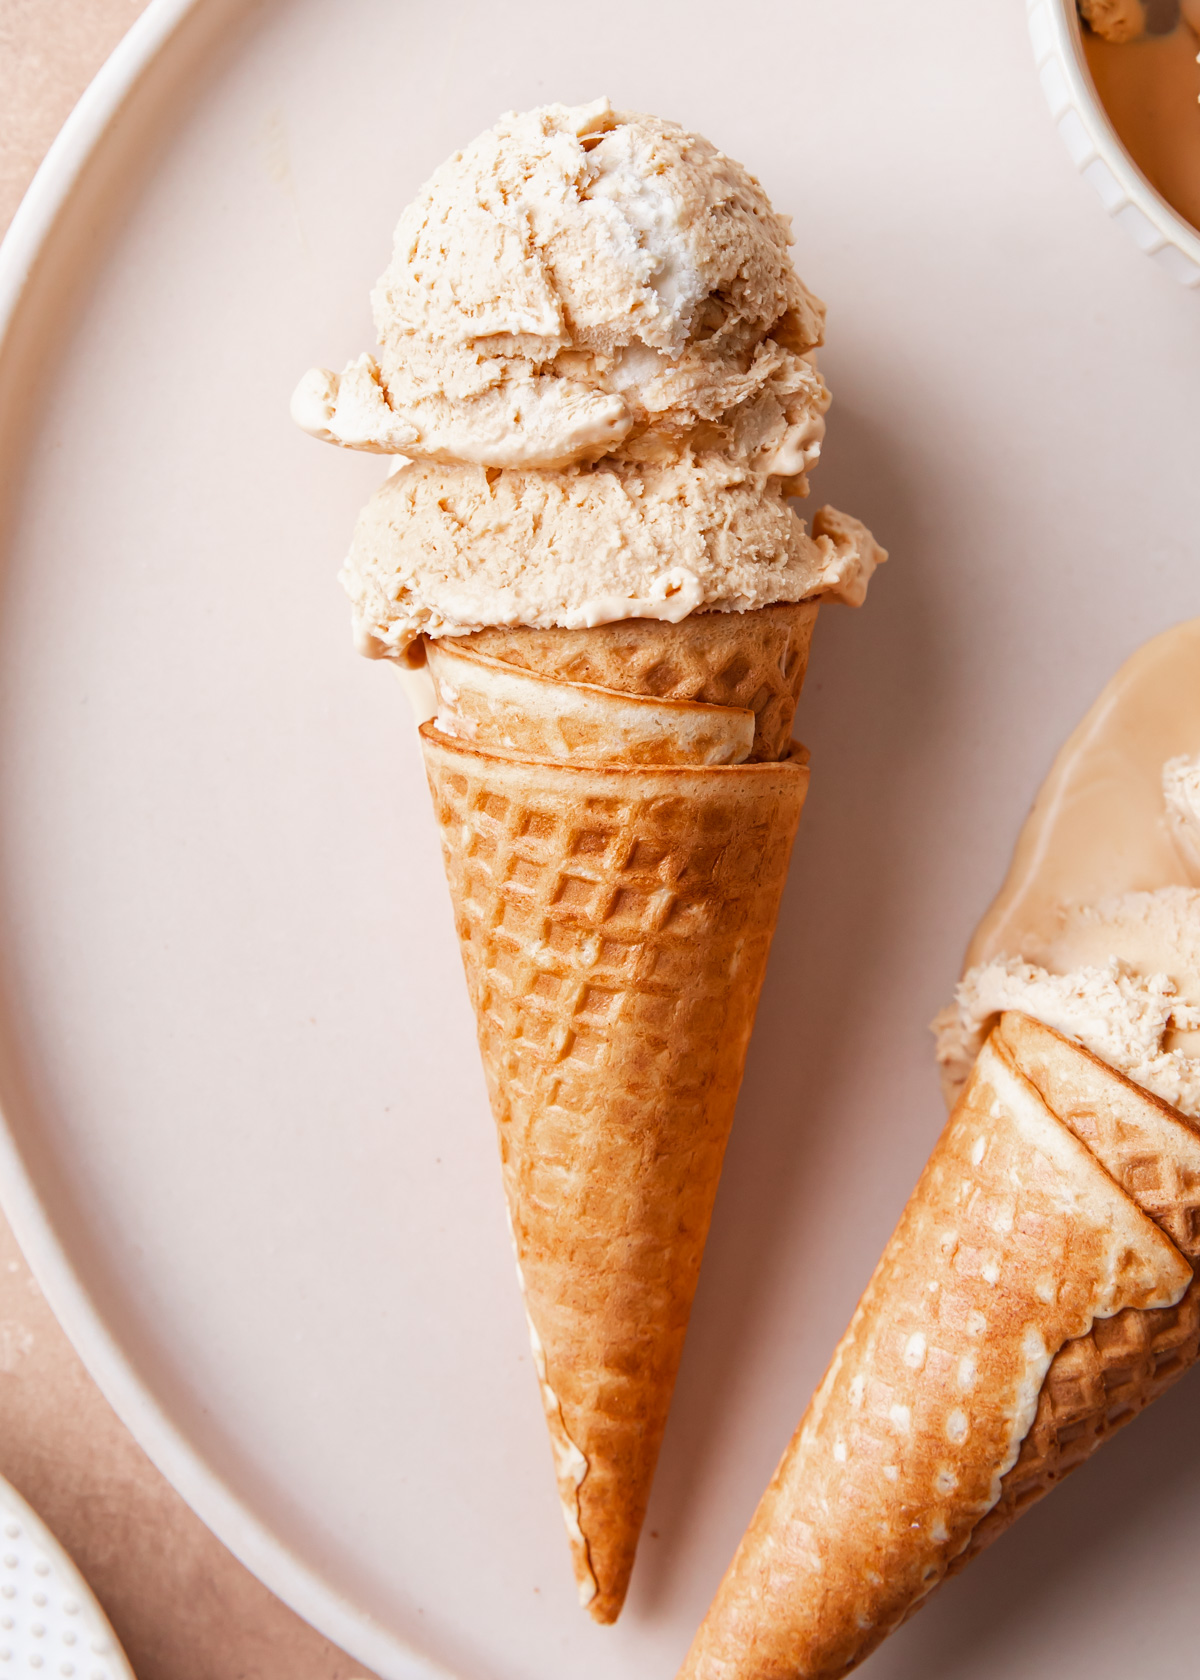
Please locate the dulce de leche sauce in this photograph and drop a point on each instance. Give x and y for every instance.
(1150, 88)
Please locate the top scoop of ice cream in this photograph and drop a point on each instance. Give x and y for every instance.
(579, 282)
(1122, 977)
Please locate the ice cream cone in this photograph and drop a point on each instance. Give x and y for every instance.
(590, 539)
(615, 915)
(1102, 1381)
(754, 660)
(1029, 1302)
(507, 709)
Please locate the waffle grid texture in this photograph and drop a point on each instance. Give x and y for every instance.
(615, 923)
(898, 1476)
(1100, 1382)
(755, 660)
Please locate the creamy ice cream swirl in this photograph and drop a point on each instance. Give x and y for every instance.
(1181, 797)
(445, 551)
(580, 282)
(596, 373)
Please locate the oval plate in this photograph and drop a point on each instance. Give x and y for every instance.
(247, 1145)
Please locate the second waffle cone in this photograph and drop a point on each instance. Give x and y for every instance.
(1054, 1231)
(615, 920)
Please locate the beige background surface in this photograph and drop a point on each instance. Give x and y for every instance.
(184, 1608)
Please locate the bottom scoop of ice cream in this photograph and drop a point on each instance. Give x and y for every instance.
(1121, 977)
(447, 550)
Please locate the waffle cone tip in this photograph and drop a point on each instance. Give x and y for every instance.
(1036, 1295)
(617, 811)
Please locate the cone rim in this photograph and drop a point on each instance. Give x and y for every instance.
(795, 762)
(648, 700)
(1141, 1091)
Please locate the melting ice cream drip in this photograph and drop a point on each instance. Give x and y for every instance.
(1181, 796)
(1136, 1007)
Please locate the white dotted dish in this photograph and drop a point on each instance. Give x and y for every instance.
(51, 1627)
(1095, 148)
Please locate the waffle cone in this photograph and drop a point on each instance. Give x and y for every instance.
(615, 917)
(754, 660)
(525, 715)
(1029, 1303)
(1102, 1381)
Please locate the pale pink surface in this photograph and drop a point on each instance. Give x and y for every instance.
(256, 1103)
(183, 1605)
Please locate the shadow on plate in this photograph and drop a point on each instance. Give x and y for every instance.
(873, 685)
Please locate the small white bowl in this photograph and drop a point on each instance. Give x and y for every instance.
(1096, 149)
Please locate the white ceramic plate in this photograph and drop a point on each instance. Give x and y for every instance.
(248, 1150)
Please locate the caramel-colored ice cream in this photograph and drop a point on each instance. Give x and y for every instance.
(575, 282)
(448, 550)
(1118, 972)
(1123, 980)
(596, 372)
(1181, 796)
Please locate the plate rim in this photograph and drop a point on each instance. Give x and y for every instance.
(27, 242)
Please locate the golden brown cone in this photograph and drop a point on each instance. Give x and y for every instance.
(755, 660)
(615, 921)
(1151, 1149)
(1102, 1381)
(1016, 1244)
(495, 706)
